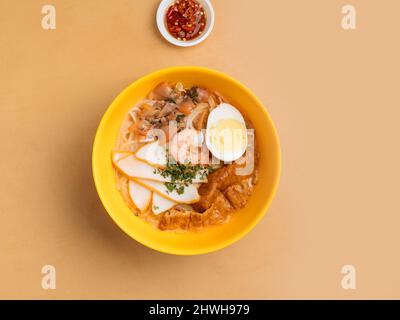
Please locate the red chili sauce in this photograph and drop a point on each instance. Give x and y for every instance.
(186, 19)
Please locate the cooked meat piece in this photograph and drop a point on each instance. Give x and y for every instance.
(141, 127)
(208, 192)
(186, 106)
(161, 92)
(196, 220)
(226, 181)
(216, 217)
(212, 102)
(238, 194)
(174, 220)
(180, 219)
(221, 203)
(147, 110)
(220, 175)
(202, 95)
(226, 176)
(168, 108)
(218, 212)
(200, 121)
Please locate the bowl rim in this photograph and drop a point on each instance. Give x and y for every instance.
(163, 6)
(221, 244)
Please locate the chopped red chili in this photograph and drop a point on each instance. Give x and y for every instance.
(186, 19)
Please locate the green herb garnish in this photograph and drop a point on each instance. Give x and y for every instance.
(181, 175)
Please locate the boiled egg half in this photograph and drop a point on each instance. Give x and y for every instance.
(226, 135)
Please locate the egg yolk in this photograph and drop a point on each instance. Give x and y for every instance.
(228, 135)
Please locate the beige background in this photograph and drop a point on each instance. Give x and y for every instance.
(333, 94)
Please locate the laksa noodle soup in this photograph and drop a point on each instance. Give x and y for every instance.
(185, 159)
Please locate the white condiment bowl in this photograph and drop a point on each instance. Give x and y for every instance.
(162, 26)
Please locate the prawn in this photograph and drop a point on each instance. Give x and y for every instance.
(185, 146)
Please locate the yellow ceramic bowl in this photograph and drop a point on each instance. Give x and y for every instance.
(213, 238)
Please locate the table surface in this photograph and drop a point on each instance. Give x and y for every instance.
(333, 94)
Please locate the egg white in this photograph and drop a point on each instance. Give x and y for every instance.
(222, 112)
